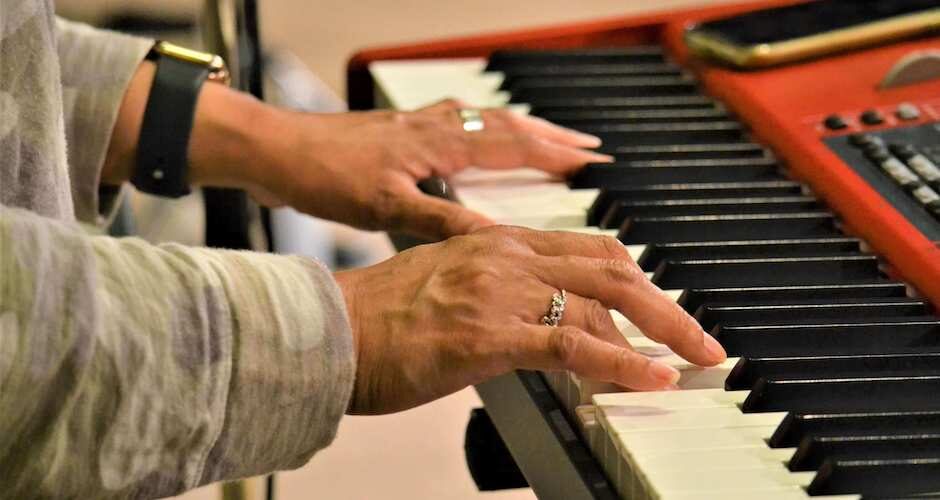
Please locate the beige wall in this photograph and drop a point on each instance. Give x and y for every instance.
(325, 33)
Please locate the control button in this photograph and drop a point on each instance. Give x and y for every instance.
(907, 111)
(903, 151)
(835, 122)
(872, 117)
(878, 154)
(901, 174)
(862, 140)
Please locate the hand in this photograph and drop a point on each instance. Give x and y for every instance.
(440, 317)
(362, 168)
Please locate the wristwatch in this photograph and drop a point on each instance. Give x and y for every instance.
(162, 163)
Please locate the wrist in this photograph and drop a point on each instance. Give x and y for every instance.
(346, 282)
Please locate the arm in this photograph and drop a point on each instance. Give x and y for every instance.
(356, 168)
(128, 370)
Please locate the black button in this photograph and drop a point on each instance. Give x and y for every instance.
(872, 117)
(835, 122)
(904, 151)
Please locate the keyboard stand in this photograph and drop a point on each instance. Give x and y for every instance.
(545, 445)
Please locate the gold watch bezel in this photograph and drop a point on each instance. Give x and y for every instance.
(218, 71)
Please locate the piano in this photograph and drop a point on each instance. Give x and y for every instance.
(793, 211)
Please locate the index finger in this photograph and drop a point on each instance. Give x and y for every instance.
(623, 286)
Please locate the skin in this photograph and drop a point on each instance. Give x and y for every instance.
(436, 318)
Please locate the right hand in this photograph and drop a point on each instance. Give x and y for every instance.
(440, 317)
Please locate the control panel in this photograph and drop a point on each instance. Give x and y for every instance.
(903, 165)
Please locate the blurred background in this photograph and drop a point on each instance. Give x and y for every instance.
(411, 455)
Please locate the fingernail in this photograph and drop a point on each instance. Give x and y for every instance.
(604, 158)
(665, 373)
(590, 141)
(714, 348)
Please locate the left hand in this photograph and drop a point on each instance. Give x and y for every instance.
(362, 168)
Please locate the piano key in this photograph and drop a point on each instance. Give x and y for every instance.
(844, 395)
(687, 191)
(691, 300)
(636, 55)
(714, 206)
(748, 371)
(727, 227)
(710, 315)
(813, 451)
(543, 105)
(511, 73)
(526, 90)
(881, 478)
(887, 336)
(599, 117)
(641, 403)
(726, 273)
(662, 134)
(690, 151)
(622, 175)
(655, 254)
(796, 426)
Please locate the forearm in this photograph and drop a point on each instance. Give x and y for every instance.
(128, 370)
(236, 141)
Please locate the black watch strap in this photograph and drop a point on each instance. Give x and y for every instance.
(162, 150)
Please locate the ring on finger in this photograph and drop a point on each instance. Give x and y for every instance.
(556, 309)
(472, 119)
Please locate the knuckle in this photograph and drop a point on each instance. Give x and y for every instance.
(628, 363)
(450, 104)
(563, 345)
(622, 272)
(610, 246)
(598, 317)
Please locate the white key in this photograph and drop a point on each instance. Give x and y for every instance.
(639, 402)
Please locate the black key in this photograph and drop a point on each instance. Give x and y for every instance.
(689, 151)
(726, 273)
(601, 117)
(502, 59)
(797, 426)
(533, 89)
(716, 206)
(661, 134)
(613, 175)
(879, 478)
(889, 336)
(710, 315)
(692, 300)
(512, 74)
(607, 197)
(728, 227)
(813, 451)
(542, 105)
(748, 371)
(844, 395)
(708, 250)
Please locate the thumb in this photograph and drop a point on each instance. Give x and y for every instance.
(436, 218)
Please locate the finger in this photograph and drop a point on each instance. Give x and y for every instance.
(591, 316)
(558, 243)
(623, 286)
(434, 218)
(573, 349)
(552, 132)
(503, 150)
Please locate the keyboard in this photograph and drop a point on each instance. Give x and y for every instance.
(834, 358)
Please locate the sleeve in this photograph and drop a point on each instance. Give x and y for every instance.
(97, 67)
(129, 370)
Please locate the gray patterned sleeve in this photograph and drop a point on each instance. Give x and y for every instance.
(96, 67)
(129, 370)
